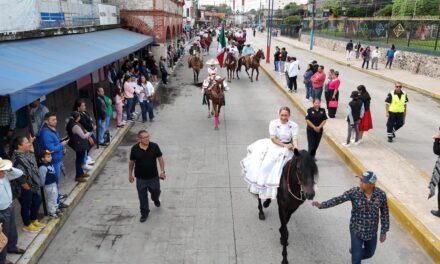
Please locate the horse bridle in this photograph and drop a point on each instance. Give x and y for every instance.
(302, 194)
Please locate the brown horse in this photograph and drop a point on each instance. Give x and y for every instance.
(206, 43)
(215, 94)
(231, 66)
(254, 64)
(196, 63)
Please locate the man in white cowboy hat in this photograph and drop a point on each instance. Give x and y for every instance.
(232, 48)
(213, 74)
(7, 213)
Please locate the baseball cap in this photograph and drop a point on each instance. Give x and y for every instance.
(368, 177)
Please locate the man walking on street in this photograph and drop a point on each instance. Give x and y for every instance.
(369, 204)
(349, 49)
(395, 110)
(143, 158)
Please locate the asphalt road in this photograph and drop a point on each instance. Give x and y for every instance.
(207, 214)
(414, 139)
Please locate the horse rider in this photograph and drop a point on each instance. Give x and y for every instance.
(247, 54)
(195, 49)
(232, 48)
(212, 75)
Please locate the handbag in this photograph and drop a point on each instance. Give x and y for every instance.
(3, 241)
(91, 141)
(333, 104)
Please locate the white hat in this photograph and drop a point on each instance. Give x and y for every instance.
(5, 165)
(212, 62)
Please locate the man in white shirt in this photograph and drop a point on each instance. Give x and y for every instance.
(149, 98)
(233, 49)
(293, 74)
(375, 55)
(7, 213)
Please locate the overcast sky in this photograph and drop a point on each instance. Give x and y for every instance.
(249, 4)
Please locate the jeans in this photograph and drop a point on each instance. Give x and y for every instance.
(292, 82)
(147, 107)
(309, 89)
(389, 62)
(3, 133)
(281, 68)
(395, 121)
(135, 101)
(101, 130)
(277, 65)
(107, 122)
(144, 186)
(350, 130)
(79, 162)
(366, 62)
(128, 108)
(313, 140)
(30, 205)
(287, 80)
(144, 106)
(57, 167)
(316, 93)
(361, 249)
(164, 77)
(7, 217)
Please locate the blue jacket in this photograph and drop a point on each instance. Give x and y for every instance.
(51, 141)
(390, 53)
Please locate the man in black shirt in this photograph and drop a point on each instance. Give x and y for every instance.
(349, 49)
(315, 118)
(143, 158)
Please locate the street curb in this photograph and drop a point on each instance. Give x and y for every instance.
(425, 238)
(45, 237)
(406, 85)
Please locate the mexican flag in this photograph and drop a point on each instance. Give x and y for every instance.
(221, 47)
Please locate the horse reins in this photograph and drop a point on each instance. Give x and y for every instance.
(299, 182)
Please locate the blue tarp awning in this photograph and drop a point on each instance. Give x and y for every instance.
(32, 68)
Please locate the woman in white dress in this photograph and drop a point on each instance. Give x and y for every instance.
(263, 165)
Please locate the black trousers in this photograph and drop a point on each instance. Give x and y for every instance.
(313, 140)
(292, 82)
(144, 186)
(395, 121)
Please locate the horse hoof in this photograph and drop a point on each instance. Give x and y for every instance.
(261, 216)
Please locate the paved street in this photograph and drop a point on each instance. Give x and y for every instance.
(414, 140)
(207, 215)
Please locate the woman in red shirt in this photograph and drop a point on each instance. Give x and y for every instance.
(332, 95)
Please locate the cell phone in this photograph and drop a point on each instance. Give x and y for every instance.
(64, 139)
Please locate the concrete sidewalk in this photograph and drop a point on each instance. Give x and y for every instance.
(420, 83)
(405, 186)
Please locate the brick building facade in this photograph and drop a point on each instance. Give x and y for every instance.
(159, 18)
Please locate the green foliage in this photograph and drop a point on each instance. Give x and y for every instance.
(253, 12)
(385, 11)
(421, 7)
(291, 9)
(292, 20)
(223, 8)
(334, 6)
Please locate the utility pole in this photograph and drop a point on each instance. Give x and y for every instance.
(312, 32)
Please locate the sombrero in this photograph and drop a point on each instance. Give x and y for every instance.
(5, 165)
(212, 62)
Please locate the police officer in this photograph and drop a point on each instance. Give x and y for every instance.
(395, 110)
(315, 118)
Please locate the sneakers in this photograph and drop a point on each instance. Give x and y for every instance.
(345, 144)
(62, 206)
(143, 218)
(157, 203)
(80, 179)
(90, 161)
(390, 139)
(54, 215)
(31, 228)
(436, 212)
(62, 196)
(38, 224)
(358, 142)
(87, 167)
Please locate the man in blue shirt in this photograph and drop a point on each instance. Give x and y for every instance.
(7, 214)
(369, 204)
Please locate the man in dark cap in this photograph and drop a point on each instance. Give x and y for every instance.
(369, 204)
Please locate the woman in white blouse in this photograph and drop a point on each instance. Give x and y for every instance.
(263, 165)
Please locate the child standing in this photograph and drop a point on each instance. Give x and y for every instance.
(355, 112)
(48, 180)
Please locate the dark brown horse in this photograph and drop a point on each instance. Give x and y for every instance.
(296, 185)
(205, 43)
(231, 66)
(254, 64)
(196, 63)
(215, 95)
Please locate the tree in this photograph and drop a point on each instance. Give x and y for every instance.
(385, 11)
(253, 12)
(334, 6)
(223, 8)
(292, 20)
(417, 7)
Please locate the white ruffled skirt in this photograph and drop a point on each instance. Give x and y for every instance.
(262, 167)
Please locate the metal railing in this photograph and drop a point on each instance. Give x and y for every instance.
(419, 34)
